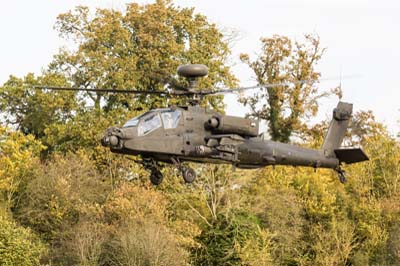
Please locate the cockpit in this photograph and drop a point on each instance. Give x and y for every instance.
(152, 120)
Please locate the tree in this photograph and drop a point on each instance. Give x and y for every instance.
(230, 234)
(139, 48)
(18, 245)
(144, 233)
(74, 201)
(231, 238)
(364, 126)
(281, 212)
(31, 110)
(18, 155)
(283, 60)
(59, 194)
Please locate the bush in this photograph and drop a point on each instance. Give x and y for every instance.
(18, 245)
(143, 234)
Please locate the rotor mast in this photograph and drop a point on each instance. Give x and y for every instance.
(192, 73)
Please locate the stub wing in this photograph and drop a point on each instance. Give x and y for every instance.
(350, 156)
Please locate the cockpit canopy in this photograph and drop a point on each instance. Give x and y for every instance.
(154, 119)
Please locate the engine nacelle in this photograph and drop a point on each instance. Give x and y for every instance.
(232, 125)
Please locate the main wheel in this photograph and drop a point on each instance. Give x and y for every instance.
(156, 177)
(189, 175)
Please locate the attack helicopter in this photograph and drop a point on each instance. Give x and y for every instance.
(193, 133)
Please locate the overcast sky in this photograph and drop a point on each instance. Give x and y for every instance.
(362, 37)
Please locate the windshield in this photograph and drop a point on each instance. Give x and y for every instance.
(132, 122)
(171, 118)
(149, 124)
(151, 120)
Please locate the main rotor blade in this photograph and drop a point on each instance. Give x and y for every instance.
(272, 85)
(56, 88)
(240, 89)
(183, 92)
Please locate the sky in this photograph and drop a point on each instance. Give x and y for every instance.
(362, 38)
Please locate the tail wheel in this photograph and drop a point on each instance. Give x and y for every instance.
(156, 177)
(189, 175)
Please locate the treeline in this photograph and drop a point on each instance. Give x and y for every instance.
(65, 200)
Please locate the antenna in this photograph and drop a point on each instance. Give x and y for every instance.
(339, 91)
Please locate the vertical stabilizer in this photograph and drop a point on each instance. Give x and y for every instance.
(337, 128)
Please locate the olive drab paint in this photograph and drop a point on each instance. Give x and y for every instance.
(204, 136)
(198, 134)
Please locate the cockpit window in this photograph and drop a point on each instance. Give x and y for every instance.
(149, 124)
(171, 118)
(152, 120)
(132, 122)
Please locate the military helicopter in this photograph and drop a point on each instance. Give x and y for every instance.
(192, 133)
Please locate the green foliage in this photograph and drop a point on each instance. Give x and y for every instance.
(76, 200)
(282, 60)
(18, 245)
(89, 220)
(230, 239)
(363, 126)
(139, 230)
(32, 110)
(144, 242)
(282, 216)
(139, 48)
(18, 155)
(282, 213)
(82, 132)
(59, 194)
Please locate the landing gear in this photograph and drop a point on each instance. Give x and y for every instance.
(188, 174)
(156, 177)
(342, 175)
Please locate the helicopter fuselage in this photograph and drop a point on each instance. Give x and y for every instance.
(197, 134)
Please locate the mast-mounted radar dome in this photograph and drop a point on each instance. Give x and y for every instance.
(192, 71)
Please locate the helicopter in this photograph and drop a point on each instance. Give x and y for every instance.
(193, 133)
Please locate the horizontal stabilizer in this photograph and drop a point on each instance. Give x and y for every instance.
(350, 156)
